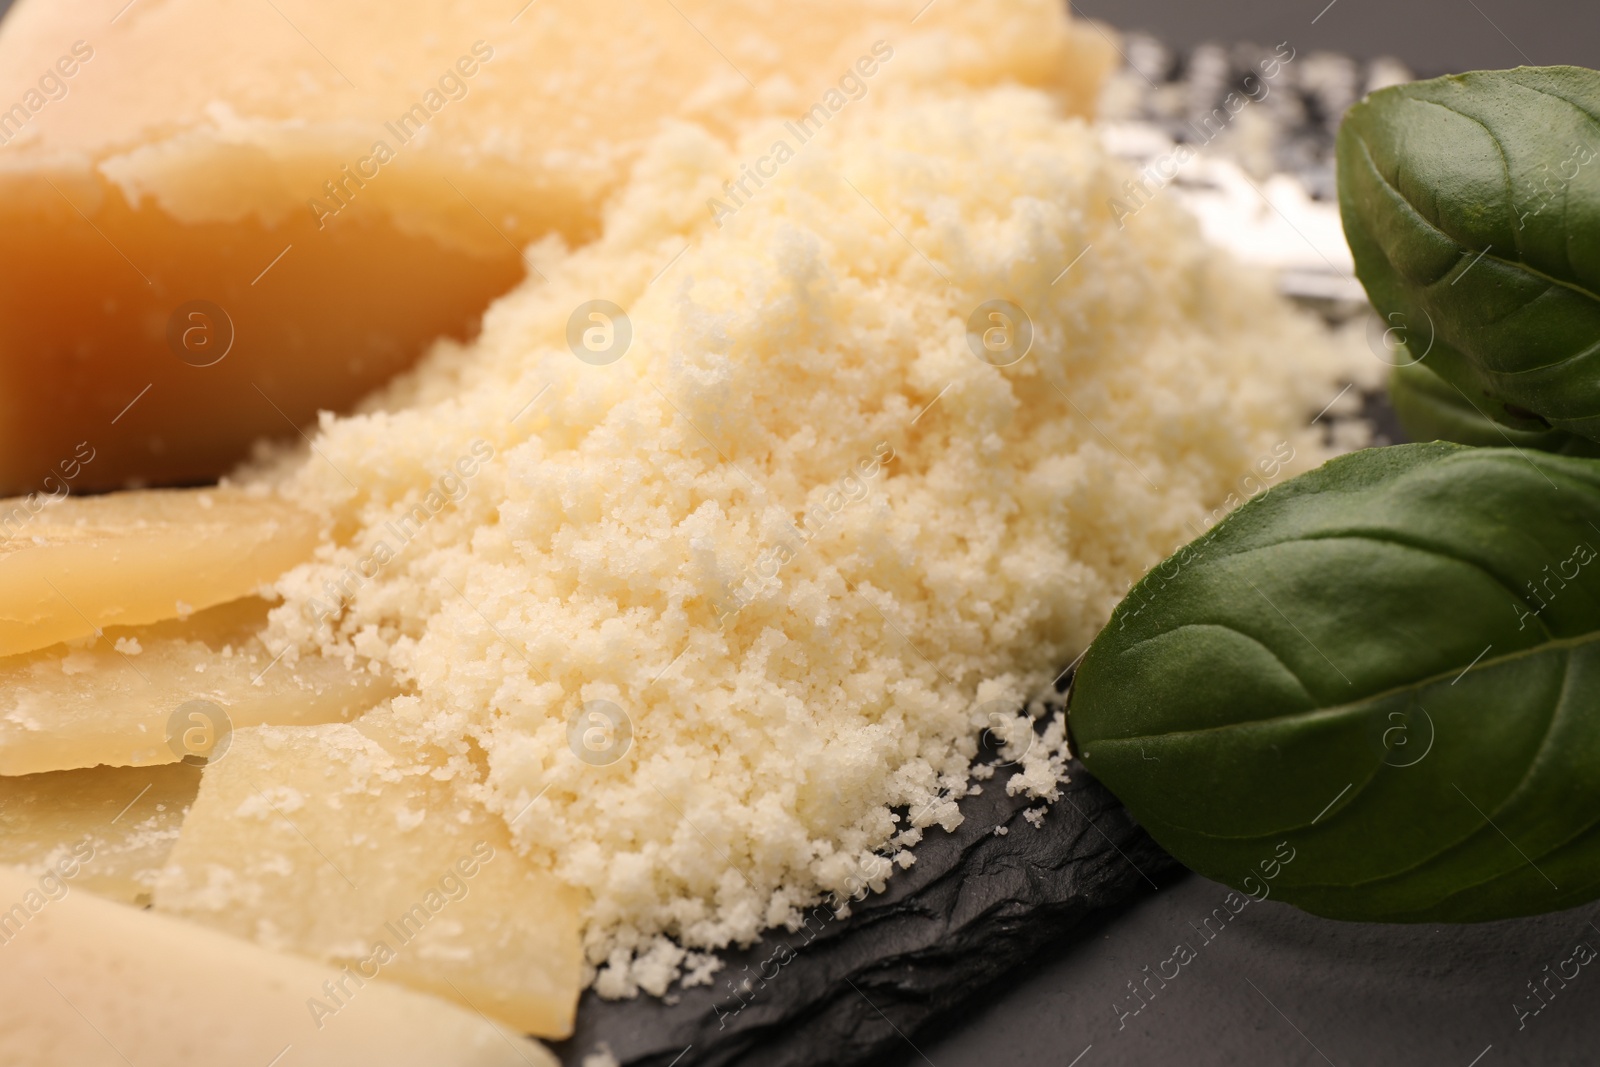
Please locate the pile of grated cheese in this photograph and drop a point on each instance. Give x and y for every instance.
(798, 535)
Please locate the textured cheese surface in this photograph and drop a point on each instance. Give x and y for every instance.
(71, 566)
(320, 841)
(92, 983)
(342, 183)
(558, 102)
(726, 615)
(107, 829)
(126, 698)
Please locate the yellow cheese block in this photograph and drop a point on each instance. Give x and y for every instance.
(91, 983)
(319, 841)
(106, 830)
(140, 696)
(71, 566)
(219, 216)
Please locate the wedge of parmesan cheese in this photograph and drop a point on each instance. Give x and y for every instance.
(308, 193)
(71, 566)
(106, 830)
(318, 840)
(91, 983)
(140, 696)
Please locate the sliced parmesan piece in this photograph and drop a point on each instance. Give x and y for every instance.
(319, 841)
(147, 695)
(107, 829)
(91, 983)
(73, 566)
(343, 183)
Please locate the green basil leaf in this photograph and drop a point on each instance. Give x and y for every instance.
(1432, 409)
(1389, 669)
(1472, 206)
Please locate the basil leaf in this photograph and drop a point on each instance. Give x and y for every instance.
(1432, 409)
(1388, 668)
(1472, 206)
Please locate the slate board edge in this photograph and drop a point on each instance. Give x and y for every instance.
(974, 907)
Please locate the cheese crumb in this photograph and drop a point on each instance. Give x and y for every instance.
(720, 545)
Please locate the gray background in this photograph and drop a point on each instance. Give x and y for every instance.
(1278, 986)
(1432, 36)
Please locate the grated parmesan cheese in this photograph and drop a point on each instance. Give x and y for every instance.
(712, 624)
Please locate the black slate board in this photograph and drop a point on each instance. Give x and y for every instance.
(972, 907)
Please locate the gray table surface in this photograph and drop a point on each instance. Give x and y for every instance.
(1431, 36)
(1278, 986)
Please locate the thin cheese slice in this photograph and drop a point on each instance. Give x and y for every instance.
(146, 695)
(319, 841)
(235, 213)
(74, 565)
(91, 983)
(106, 830)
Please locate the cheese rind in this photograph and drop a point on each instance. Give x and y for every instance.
(346, 183)
(89, 982)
